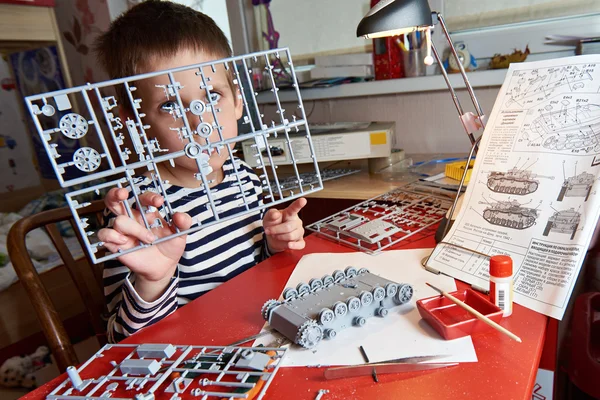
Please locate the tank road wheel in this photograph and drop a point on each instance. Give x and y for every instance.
(338, 276)
(315, 284)
(359, 321)
(362, 271)
(268, 307)
(340, 309)
(330, 333)
(391, 289)
(353, 304)
(302, 289)
(405, 293)
(309, 335)
(378, 293)
(327, 280)
(326, 316)
(382, 312)
(290, 293)
(350, 272)
(366, 298)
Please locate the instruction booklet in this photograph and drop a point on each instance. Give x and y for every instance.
(533, 193)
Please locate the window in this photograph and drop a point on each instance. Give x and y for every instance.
(472, 14)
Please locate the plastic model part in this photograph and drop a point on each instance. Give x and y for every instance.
(386, 220)
(117, 146)
(204, 372)
(323, 307)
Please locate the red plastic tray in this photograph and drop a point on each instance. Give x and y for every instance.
(451, 321)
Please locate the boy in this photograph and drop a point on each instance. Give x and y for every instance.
(149, 284)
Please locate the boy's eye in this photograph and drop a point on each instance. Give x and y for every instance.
(168, 106)
(214, 97)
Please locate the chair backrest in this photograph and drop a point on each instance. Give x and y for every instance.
(52, 326)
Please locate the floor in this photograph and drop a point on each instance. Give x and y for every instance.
(84, 350)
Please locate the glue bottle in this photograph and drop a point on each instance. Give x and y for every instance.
(501, 283)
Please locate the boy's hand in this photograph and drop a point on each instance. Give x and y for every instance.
(155, 265)
(283, 228)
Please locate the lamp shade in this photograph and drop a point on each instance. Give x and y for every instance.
(395, 17)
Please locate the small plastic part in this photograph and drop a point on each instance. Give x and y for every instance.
(303, 288)
(315, 284)
(309, 334)
(204, 129)
(155, 350)
(340, 309)
(197, 107)
(73, 374)
(73, 125)
(48, 110)
(350, 272)
(290, 293)
(326, 316)
(87, 159)
(139, 367)
(338, 276)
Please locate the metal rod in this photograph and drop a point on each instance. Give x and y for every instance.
(462, 70)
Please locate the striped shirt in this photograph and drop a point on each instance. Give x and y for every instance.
(212, 255)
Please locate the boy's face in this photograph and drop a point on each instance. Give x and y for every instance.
(156, 106)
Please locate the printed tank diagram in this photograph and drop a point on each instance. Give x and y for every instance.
(530, 87)
(566, 221)
(510, 214)
(520, 181)
(576, 185)
(569, 128)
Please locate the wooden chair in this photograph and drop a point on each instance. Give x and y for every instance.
(52, 326)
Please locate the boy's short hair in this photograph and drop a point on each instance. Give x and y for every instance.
(156, 28)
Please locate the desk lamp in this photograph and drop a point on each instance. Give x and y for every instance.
(397, 17)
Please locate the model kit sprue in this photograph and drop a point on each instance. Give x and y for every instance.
(157, 371)
(108, 156)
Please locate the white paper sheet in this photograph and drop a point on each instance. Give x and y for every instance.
(401, 334)
(533, 193)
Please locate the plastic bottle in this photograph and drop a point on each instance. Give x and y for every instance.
(501, 283)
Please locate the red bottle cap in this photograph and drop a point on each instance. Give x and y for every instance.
(501, 266)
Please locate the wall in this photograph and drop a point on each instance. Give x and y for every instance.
(425, 122)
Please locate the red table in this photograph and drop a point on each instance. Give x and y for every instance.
(506, 369)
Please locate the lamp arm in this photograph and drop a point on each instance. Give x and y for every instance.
(437, 16)
(455, 99)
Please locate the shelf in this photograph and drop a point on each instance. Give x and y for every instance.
(404, 85)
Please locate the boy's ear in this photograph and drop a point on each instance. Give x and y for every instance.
(239, 104)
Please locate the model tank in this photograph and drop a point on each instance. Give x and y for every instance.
(515, 181)
(577, 186)
(563, 222)
(510, 214)
(322, 307)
